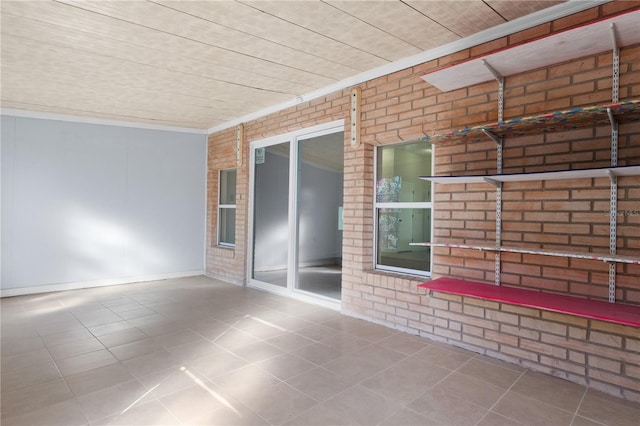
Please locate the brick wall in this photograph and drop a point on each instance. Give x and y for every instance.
(566, 215)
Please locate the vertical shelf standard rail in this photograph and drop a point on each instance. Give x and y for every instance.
(613, 203)
(498, 140)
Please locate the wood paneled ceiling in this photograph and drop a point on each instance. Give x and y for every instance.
(200, 64)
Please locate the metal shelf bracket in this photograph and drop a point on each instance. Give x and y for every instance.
(615, 86)
(500, 80)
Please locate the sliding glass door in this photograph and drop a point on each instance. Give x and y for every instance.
(271, 214)
(295, 209)
(319, 214)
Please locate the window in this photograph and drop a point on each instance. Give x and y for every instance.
(403, 207)
(227, 208)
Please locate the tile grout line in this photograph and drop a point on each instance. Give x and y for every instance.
(575, 414)
(490, 410)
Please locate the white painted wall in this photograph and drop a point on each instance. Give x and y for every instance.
(88, 204)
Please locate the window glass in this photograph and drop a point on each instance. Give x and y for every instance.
(227, 227)
(227, 208)
(398, 173)
(403, 207)
(227, 187)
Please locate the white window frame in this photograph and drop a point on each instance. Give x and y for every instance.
(399, 205)
(224, 206)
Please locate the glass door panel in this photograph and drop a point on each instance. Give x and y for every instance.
(271, 215)
(319, 224)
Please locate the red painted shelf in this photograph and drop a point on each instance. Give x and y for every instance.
(595, 309)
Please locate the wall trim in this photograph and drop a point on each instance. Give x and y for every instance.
(511, 27)
(100, 121)
(10, 292)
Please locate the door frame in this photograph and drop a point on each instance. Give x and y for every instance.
(292, 256)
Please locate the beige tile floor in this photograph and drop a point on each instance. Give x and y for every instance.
(199, 351)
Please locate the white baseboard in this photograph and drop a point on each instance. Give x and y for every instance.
(47, 288)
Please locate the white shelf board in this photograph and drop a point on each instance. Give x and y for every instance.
(571, 44)
(523, 177)
(575, 255)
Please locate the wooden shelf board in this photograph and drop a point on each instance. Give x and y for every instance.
(557, 253)
(595, 309)
(571, 44)
(523, 177)
(558, 121)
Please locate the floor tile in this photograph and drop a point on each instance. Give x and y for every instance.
(289, 342)
(194, 350)
(405, 417)
(285, 366)
(134, 313)
(30, 376)
(220, 363)
(583, 421)
(471, 389)
(436, 355)
(233, 339)
(92, 319)
(117, 302)
(98, 378)
(317, 353)
(551, 390)
(365, 363)
(85, 362)
(245, 382)
(79, 347)
(292, 323)
(279, 404)
(499, 376)
(607, 409)
(447, 409)
(111, 401)
(66, 413)
(66, 337)
(531, 411)
(361, 406)
(24, 360)
(210, 328)
(317, 332)
(493, 419)
(178, 338)
(165, 382)
(165, 327)
(406, 380)
(122, 337)
(320, 384)
(151, 363)
(101, 330)
(371, 332)
(259, 328)
(151, 413)
(404, 343)
(345, 343)
(203, 405)
(135, 349)
(320, 415)
(21, 345)
(258, 351)
(31, 398)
